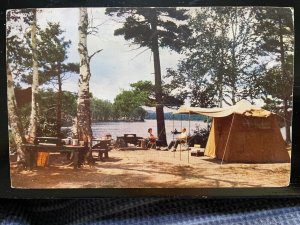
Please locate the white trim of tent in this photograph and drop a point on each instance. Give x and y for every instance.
(242, 107)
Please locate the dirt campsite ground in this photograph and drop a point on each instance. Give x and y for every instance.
(153, 169)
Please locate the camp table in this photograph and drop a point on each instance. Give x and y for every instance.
(33, 149)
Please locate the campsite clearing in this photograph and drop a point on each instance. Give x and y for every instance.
(153, 169)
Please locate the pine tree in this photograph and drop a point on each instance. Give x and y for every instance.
(52, 56)
(154, 28)
(276, 30)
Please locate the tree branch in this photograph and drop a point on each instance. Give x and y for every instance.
(96, 52)
(140, 53)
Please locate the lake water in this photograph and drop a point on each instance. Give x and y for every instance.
(140, 128)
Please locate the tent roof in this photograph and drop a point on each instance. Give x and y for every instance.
(242, 107)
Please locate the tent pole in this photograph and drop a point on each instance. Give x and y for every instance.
(180, 122)
(189, 123)
(180, 152)
(180, 141)
(173, 127)
(188, 151)
(173, 135)
(227, 139)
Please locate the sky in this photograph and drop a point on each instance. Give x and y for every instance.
(117, 65)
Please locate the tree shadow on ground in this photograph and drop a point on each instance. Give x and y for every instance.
(213, 160)
(116, 173)
(109, 159)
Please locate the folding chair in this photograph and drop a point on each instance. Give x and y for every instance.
(151, 144)
(184, 145)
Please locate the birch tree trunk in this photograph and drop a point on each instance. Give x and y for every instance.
(83, 105)
(14, 119)
(35, 82)
(287, 123)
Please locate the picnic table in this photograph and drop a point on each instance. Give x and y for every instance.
(124, 141)
(51, 144)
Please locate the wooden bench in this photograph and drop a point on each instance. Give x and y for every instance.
(102, 147)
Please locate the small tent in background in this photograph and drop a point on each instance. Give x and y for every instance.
(243, 133)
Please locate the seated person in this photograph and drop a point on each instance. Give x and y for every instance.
(151, 138)
(181, 139)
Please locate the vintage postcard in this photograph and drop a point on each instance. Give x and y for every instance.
(150, 97)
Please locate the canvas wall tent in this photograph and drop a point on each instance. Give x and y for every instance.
(243, 133)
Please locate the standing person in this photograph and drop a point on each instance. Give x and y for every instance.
(181, 139)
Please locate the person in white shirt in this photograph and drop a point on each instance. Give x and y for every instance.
(181, 139)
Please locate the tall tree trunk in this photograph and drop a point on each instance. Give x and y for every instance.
(14, 119)
(285, 101)
(233, 52)
(35, 82)
(220, 85)
(287, 122)
(59, 102)
(221, 72)
(161, 130)
(83, 104)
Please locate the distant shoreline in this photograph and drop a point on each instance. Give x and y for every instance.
(132, 121)
(139, 121)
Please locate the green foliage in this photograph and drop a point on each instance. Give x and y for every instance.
(47, 102)
(51, 55)
(274, 23)
(51, 49)
(102, 110)
(12, 144)
(147, 89)
(18, 53)
(220, 57)
(126, 106)
(277, 84)
(69, 107)
(276, 30)
(128, 103)
(138, 26)
(48, 108)
(277, 88)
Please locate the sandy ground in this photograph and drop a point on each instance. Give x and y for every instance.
(154, 169)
